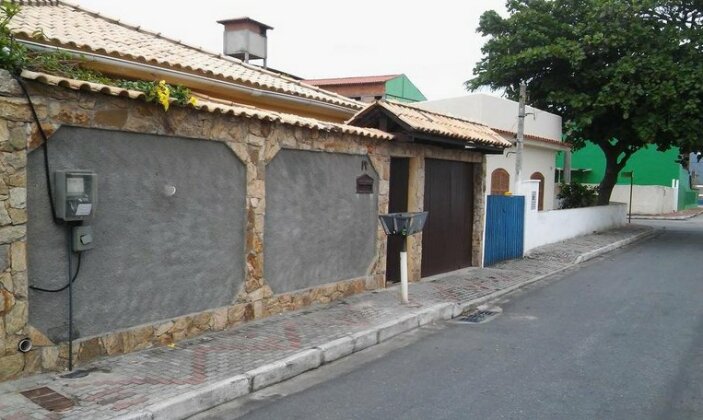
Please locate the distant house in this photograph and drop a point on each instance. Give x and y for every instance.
(542, 141)
(661, 183)
(396, 87)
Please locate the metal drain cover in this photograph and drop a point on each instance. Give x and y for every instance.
(478, 317)
(48, 399)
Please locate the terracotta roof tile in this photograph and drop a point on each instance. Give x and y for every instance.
(436, 124)
(231, 108)
(70, 26)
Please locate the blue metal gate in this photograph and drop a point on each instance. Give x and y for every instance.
(505, 227)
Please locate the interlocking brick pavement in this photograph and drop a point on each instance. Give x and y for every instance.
(125, 384)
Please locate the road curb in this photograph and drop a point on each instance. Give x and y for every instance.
(615, 245)
(211, 395)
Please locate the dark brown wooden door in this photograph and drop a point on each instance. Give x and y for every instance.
(446, 238)
(397, 203)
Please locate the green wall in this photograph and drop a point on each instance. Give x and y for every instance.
(403, 90)
(651, 167)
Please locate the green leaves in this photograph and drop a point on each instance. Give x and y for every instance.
(621, 73)
(576, 195)
(12, 54)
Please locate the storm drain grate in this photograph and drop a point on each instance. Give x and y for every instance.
(478, 317)
(48, 399)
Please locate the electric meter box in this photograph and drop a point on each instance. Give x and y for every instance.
(75, 195)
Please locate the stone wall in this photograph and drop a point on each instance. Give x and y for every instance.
(255, 143)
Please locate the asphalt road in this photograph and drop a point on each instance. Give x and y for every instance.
(619, 338)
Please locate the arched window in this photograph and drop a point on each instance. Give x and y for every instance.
(500, 182)
(537, 176)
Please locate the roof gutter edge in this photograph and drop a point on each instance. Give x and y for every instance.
(342, 111)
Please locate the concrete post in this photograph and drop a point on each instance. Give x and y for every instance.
(567, 167)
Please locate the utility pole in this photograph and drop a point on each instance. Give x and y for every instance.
(520, 138)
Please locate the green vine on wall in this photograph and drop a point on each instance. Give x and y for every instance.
(12, 54)
(14, 57)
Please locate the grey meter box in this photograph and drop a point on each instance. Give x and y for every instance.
(75, 194)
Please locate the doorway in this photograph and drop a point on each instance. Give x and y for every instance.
(447, 236)
(397, 203)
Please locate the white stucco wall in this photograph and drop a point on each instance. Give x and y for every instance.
(535, 159)
(499, 113)
(647, 199)
(547, 227)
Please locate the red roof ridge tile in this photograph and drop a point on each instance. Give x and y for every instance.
(352, 79)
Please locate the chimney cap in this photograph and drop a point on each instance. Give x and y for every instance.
(244, 21)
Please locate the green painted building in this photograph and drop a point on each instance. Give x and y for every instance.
(401, 89)
(396, 87)
(651, 168)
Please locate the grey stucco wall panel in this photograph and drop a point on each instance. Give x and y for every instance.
(156, 256)
(317, 229)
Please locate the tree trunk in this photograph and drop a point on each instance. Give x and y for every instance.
(613, 166)
(605, 189)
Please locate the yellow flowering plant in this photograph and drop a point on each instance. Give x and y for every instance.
(163, 94)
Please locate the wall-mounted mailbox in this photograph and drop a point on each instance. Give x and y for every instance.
(404, 224)
(75, 195)
(364, 184)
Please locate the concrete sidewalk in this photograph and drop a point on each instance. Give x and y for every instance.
(176, 382)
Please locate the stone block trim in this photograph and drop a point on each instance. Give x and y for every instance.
(254, 142)
(14, 129)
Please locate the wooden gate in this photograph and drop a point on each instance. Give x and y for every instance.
(446, 238)
(505, 228)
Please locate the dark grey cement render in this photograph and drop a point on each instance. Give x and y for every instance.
(317, 228)
(155, 256)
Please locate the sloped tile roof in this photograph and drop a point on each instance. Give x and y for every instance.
(435, 124)
(232, 108)
(340, 81)
(70, 26)
(560, 144)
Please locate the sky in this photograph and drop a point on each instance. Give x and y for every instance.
(433, 42)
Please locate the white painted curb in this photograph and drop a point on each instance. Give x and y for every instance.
(196, 401)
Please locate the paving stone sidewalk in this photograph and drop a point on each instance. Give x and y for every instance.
(152, 383)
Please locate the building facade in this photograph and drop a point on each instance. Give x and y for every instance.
(542, 142)
(240, 204)
(395, 87)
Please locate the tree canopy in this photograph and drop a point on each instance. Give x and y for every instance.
(622, 73)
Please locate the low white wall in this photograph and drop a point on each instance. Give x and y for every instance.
(647, 199)
(547, 227)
